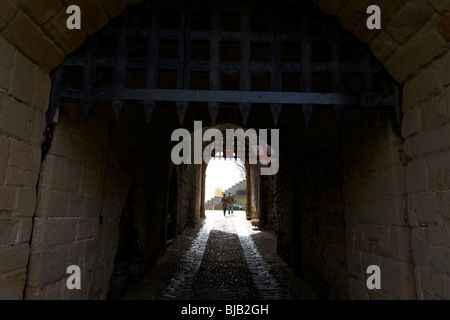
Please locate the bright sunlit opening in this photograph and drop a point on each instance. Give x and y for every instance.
(222, 174)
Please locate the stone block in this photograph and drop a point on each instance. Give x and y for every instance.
(7, 201)
(439, 170)
(25, 229)
(443, 24)
(397, 279)
(52, 203)
(41, 11)
(392, 211)
(417, 176)
(386, 182)
(425, 206)
(93, 208)
(41, 92)
(12, 284)
(445, 67)
(8, 231)
(53, 231)
(90, 182)
(424, 85)
(419, 246)
(14, 257)
(32, 42)
(409, 20)
(433, 114)
(383, 46)
(4, 156)
(86, 229)
(16, 118)
(357, 289)
(423, 48)
(439, 235)
(47, 266)
(39, 128)
(400, 244)
(60, 174)
(6, 54)
(445, 204)
(9, 9)
(77, 251)
(24, 156)
(411, 122)
(439, 258)
(431, 284)
(447, 287)
(440, 5)
(77, 205)
(61, 145)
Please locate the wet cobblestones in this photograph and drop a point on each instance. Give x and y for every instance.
(221, 258)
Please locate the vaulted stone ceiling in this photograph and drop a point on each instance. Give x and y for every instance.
(412, 34)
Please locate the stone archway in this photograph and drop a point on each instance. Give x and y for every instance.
(34, 41)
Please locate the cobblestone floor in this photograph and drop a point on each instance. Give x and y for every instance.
(221, 258)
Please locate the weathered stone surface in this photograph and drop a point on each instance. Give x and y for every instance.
(411, 122)
(440, 5)
(12, 284)
(397, 278)
(443, 25)
(9, 9)
(32, 42)
(52, 203)
(49, 232)
(439, 235)
(7, 200)
(417, 176)
(48, 265)
(22, 84)
(41, 11)
(420, 50)
(14, 257)
(8, 231)
(410, 19)
(6, 58)
(423, 86)
(41, 90)
(4, 155)
(445, 204)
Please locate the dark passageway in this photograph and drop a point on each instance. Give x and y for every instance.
(148, 88)
(238, 66)
(222, 258)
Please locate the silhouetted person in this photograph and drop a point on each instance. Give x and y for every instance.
(224, 202)
(230, 201)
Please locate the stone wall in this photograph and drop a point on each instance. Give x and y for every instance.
(93, 184)
(377, 229)
(24, 89)
(426, 128)
(77, 185)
